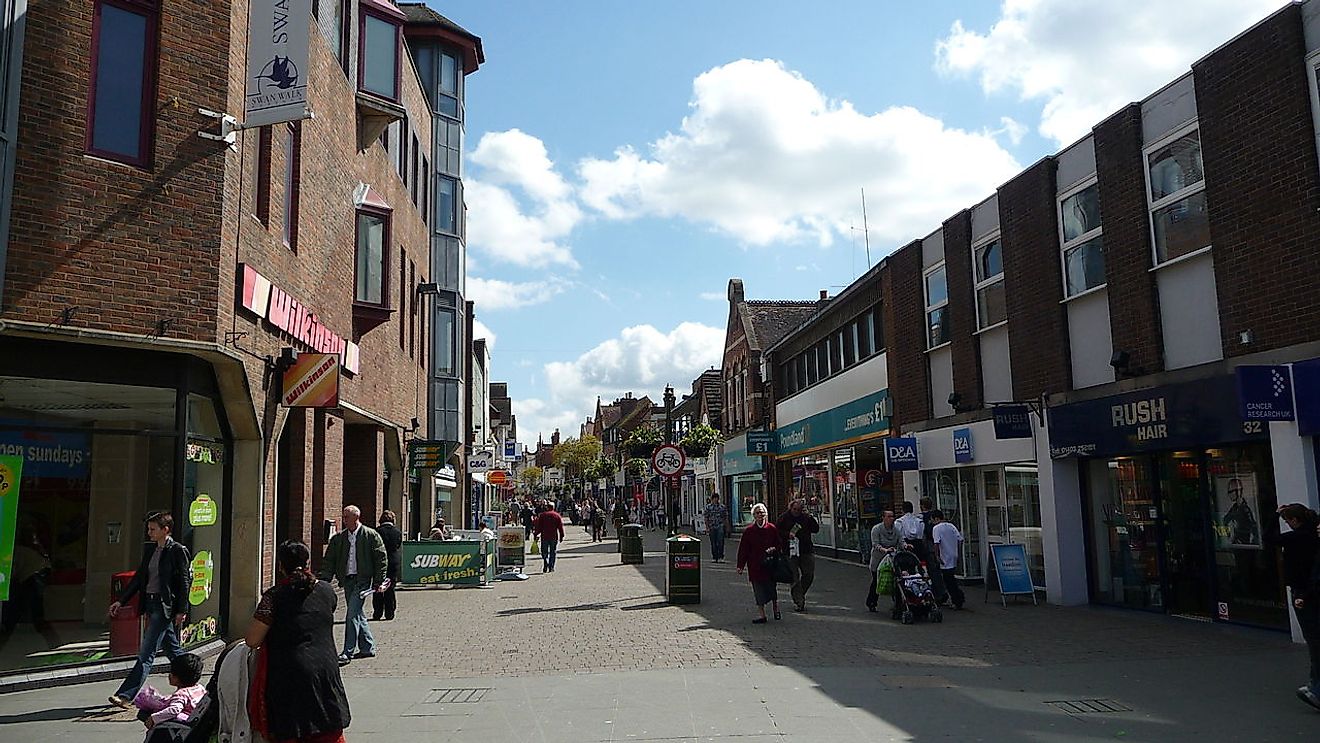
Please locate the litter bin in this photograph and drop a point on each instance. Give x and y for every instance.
(126, 624)
(630, 545)
(683, 572)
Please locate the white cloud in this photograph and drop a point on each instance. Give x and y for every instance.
(479, 330)
(765, 156)
(495, 294)
(641, 360)
(526, 231)
(1085, 60)
(1012, 129)
(714, 296)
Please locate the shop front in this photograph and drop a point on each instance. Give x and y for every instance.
(744, 480)
(1178, 502)
(835, 462)
(95, 450)
(988, 487)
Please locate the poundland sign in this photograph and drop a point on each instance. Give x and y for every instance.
(854, 420)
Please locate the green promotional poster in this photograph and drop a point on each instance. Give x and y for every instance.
(11, 473)
(202, 512)
(203, 572)
(436, 563)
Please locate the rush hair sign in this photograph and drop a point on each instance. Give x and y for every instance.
(274, 305)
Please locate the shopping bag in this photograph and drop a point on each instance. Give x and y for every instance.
(536, 547)
(778, 567)
(884, 577)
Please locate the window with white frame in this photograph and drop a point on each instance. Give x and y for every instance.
(1081, 239)
(988, 269)
(1176, 194)
(937, 308)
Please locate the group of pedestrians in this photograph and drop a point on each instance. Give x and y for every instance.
(935, 541)
(763, 544)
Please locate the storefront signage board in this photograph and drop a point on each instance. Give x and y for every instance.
(854, 420)
(312, 382)
(735, 460)
(762, 443)
(47, 453)
(512, 543)
(269, 302)
(1306, 387)
(481, 460)
(425, 455)
(277, 62)
(11, 477)
(1012, 421)
(453, 562)
(962, 445)
(1178, 416)
(1265, 393)
(901, 454)
(1011, 571)
(510, 449)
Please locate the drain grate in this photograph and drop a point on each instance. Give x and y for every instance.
(1089, 706)
(456, 696)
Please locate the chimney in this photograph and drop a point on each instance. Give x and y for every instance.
(824, 294)
(554, 439)
(735, 291)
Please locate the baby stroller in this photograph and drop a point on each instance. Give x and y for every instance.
(913, 597)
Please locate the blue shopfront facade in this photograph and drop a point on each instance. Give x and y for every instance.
(743, 476)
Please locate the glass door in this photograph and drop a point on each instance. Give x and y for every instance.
(1127, 549)
(1186, 530)
(996, 511)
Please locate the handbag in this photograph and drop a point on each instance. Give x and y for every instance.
(777, 565)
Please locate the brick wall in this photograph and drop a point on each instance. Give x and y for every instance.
(1033, 283)
(125, 245)
(906, 336)
(1133, 297)
(362, 470)
(962, 307)
(1258, 147)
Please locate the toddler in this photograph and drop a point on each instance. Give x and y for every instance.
(185, 673)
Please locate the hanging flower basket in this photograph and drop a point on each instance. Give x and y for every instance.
(641, 451)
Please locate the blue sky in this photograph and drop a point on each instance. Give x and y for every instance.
(624, 160)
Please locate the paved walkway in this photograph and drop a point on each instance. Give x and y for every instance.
(592, 652)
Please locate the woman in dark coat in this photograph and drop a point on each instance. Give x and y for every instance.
(1301, 569)
(304, 701)
(759, 539)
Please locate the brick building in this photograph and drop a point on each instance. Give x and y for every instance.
(1068, 364)
(158, 284)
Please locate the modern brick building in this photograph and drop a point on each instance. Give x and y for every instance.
(1071, 361)
(158, 284)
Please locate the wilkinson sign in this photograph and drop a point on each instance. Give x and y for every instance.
(275, 306)
(277, 61)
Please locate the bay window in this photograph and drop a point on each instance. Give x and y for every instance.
(372, 258)
(378, 51)
(121, 111)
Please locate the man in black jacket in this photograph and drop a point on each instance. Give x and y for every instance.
(383, 602)
(163, 578)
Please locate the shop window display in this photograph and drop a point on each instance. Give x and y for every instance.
(846, 514)
(811, 483)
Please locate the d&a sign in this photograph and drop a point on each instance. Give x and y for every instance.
(274, 305)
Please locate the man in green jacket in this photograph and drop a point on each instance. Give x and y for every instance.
(356, 558)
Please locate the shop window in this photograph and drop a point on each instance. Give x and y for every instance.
(373, 238)
(988, 270)
(1081, 239)
(121, 103)
(378, 53)
(1176, 195)
(1022, 487)
(937, 301)
(847, 524)
(200, 523)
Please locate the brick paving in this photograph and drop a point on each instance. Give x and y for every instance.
(595, 614)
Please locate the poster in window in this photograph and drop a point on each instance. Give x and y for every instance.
(1237, 512)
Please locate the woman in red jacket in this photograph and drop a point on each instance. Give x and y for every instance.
(759, 540)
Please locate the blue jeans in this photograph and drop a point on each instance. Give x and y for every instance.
(160, 629)
(717, 544)
(549, 550)
(356, 632)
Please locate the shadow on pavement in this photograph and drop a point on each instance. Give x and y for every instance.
(91, 714)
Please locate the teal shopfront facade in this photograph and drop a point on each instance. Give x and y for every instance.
(744, 479)
(834, 460)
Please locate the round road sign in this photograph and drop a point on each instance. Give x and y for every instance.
(668, 460)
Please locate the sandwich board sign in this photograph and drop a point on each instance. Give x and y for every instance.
(1011, 572)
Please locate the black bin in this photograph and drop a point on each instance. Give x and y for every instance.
(683, 569)
(630, 545)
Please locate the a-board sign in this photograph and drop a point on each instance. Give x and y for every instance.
(433, 563)
(1012, 572)
(510, 549)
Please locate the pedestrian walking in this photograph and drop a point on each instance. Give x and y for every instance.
(549, 528)
(675, 515)
(29, 574)
(528, 516)
(717, 524)
(597, 521)
(297, 693)
(620, 517)
(948, 544)
(796, 526)
(163, 577)
(1301, 572)
(927, 551)
(886, 539)
(384, 602)
(760, 540)
(356, 558)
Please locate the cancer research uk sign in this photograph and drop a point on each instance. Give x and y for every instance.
(277, 61)
(1265, 393)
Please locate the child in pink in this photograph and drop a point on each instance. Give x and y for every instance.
(185, 673)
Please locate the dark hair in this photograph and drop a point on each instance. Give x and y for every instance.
(387, 517)
(187, 668)
(907, 507)
(927, 501)
(292, 557)
(163, 519)
(937, 514)
(1299, 512)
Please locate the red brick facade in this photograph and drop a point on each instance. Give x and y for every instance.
(908, 374)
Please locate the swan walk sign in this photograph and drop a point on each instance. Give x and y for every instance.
(277, 61)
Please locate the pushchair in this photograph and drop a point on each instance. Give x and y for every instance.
(913, 597)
